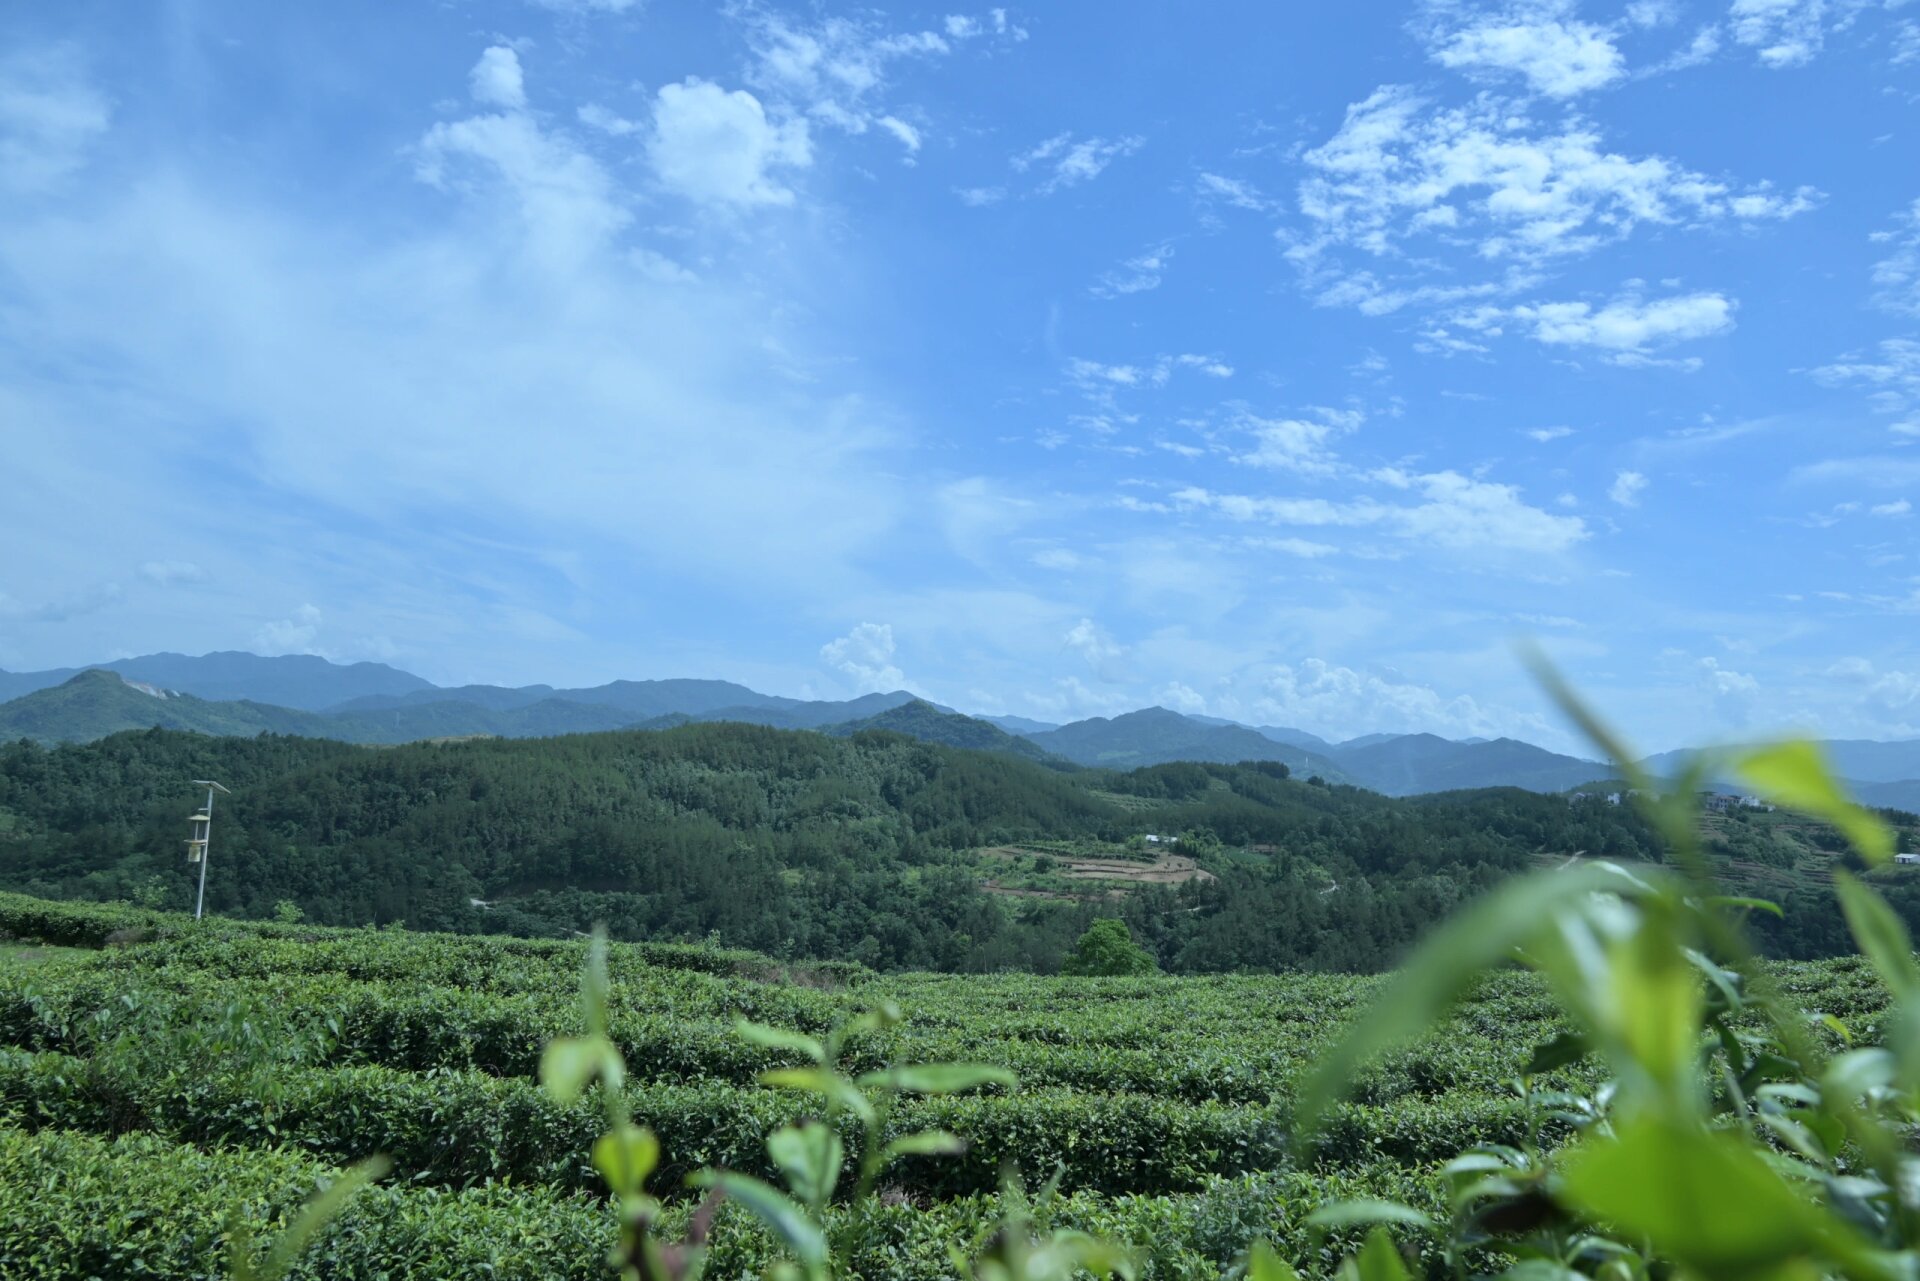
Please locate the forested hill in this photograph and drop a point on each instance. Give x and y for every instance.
(922, 720)
(874, 847)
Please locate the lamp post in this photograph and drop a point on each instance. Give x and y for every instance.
(197, 843)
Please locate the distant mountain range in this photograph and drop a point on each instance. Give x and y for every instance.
(245, 694)
(301, 681)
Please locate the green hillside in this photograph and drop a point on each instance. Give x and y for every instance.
(96, 703)
(794, 843)
(922, 720)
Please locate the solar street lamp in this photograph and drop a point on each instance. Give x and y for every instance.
(202, 826)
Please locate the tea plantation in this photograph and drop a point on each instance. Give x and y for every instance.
(166, 1084)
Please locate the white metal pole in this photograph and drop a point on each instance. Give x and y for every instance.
(203, 838)
(200, 900)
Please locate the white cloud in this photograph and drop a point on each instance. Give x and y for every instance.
(1181, 698)
(169, 572)
(1450, 511)
(1088, 373)
(1340, 702)
(1896, 277)
(1364, 292)
(595, 116)
(1058, 558)
(1545, 434)
(1207, 365)
(1627, 487)
(1294, 444)
(1232, 191)
(51, 114)
(658, 267)
(496, 80)
(1137, 274)
(1486, 176)
(1890, 700)
(1699, 51)
(498, 336)
(836, 71)
(1098, 382)
(1558, 55)
(588, 6)
(1304, 548)
(1731, 694)
(1783, 33)
(865, 657)
(1102, 653)
(1906, 43)
(717, 146)
(1068, 163)
(1625, 325)
(908, 135)
(293, 635)
(978, 197)
(567, 203)
(1899, 507)
(1892, 381)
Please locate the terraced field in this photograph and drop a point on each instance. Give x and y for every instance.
(159, 1091)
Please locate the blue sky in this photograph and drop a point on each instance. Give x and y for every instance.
(1280, 362)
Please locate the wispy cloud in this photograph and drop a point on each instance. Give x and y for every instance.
(1138, 274)
(1442, 510)
(51, 114)
(1623, 328)
(1627, 487)
(1067, 162)
(1402, 173)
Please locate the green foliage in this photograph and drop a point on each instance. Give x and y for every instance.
(923, 721)
(792, 844)
(1760, 1156)
(1107, 950)
(1648, 1100)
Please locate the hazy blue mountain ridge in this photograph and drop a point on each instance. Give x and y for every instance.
(233, 693)
(305, 682)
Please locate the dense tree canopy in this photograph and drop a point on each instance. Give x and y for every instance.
(789, 842)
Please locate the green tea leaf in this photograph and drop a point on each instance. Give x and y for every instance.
(1568, 1047)
(1795, 774)
(776, 1038)
(939, 1078)
(1379, 1260)
(1264, 1265)
(830, 1085)
(316, 1214)
(925, 1143)
(810, 1156)
(571, 1063)
(1484, 934)
(1066, 1254)
(782, 1217)
(625, 1158)
(1702, 1197)
(1882, 936)
(1346, 1214)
